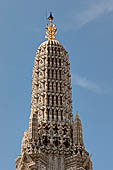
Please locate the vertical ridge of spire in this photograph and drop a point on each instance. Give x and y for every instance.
(33, 125)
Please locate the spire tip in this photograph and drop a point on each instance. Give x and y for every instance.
(50, 17)
(77, 115)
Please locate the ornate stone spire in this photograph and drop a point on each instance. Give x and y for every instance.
(53, 140)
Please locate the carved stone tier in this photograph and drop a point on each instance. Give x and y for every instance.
(51, 87)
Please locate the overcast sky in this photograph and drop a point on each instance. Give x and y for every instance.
(85, 29)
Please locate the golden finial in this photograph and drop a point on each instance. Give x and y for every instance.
(77, 115)
(50, 29)
(25, 133)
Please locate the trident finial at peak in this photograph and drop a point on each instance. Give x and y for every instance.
(50, 17)
(50, 29)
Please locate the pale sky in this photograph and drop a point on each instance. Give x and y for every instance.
(85, 29)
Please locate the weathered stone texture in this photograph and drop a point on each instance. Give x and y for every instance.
(54, 140)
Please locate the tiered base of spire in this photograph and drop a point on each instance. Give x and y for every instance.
(55, 148)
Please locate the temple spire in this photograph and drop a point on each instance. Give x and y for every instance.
(53, 141)
(50, 29)
(77, 134)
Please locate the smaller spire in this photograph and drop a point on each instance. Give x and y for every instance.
(50, 29)
(77, 131)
